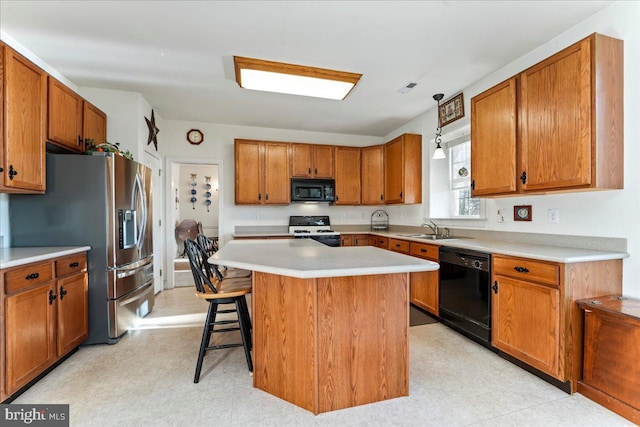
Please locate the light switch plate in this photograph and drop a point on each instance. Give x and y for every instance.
(553, 216)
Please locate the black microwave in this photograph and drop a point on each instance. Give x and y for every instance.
(313, 190)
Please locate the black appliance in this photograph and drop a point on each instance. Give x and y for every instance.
(317, 228)
(313, 190)
(465, 297)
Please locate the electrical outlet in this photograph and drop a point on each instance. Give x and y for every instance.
(256, 216)
(553, 216)
(500, 214)
(342, 215)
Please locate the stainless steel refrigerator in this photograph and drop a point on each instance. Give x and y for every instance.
(103, 201)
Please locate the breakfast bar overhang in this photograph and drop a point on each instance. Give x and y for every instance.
(330, 325)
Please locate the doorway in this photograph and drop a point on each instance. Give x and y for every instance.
(193, 197)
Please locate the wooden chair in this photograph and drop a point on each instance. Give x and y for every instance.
(210, 247)
(219, 292)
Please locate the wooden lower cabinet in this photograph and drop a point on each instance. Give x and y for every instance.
(346, 240)
(535, 317)
(425, 285)
(45, 317)
(398, 245)
(361, 240)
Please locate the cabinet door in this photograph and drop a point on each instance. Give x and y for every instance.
(249, 172)
(493, 140)
(394, 172)
(94, 125)
(526, 323)
(361, 240)
(556, 120)
(346, 240)
(373, 175)
(23, 124)
(30, 335)
(73, 326)
(424, 290)
(277, 190)
(347, 176)
(301, 160)
(323, 161)
(65, 117)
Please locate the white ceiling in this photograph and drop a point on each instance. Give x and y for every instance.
(179, 54)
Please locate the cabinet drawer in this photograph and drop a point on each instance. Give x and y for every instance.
(380, 242)
(71, 264)
(424, 251)
(27, 276)
(526, 269)
(397, 245)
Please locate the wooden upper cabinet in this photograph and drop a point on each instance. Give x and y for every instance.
(493, 140)
(262, 172)
(23, 118)
(569, 131)
(276, 173)
(312, 161)
(94, 125)
(372, 161)
(347, 162)
(403, 170)
(65, 117)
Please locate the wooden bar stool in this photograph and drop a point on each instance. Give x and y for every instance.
(210, 246)
(220, 292)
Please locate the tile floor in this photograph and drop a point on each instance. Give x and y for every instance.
(147, 380)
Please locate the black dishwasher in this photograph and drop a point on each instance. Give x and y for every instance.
(465, 297)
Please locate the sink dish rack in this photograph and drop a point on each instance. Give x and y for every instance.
(379, 220)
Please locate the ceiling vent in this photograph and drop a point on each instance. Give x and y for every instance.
(406, 88)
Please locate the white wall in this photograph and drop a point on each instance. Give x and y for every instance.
(600, 213)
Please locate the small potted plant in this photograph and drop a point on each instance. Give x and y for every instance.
(107, 147)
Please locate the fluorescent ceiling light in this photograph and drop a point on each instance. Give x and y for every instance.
(293, 79)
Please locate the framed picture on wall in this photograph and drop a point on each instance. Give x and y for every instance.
(451, 110)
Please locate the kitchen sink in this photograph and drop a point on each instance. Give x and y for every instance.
(428, 236)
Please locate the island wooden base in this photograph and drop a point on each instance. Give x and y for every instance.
(331, 343)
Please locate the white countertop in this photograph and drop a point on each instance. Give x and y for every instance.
(12, 257)
(306, 258)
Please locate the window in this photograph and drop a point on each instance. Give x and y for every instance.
(463, 205)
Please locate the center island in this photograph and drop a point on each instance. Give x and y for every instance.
(330, 325)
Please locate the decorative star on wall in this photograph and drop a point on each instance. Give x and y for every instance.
(153, 130)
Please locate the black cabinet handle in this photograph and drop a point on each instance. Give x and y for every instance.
(259, 196)
(401, 194)
(316, 171)
(62, 293)
(336, 198)
(495, 287)
(1, 169)
(32, 276)
(12, 172)
(74, 264)
(473, 184)
(423, 250)
(79, 140)
(397, 245)
(382, 197)
(521, 269)
(266, 196)
(52, 297)
(309, 171)
(523, 177)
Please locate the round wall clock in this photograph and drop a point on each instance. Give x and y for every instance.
(195, 137)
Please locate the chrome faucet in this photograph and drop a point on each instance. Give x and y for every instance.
(432, 225)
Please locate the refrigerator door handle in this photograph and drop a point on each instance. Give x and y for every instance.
(138, 191)
(133, 266)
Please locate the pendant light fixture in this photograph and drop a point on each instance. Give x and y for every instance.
(439, 153)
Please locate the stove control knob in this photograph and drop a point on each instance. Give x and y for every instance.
(477, 264)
